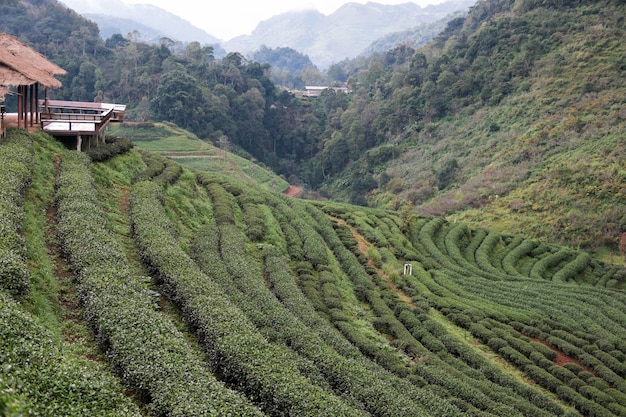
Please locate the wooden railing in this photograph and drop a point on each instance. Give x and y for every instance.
(65, 117)
(77, 117)
(74, 110)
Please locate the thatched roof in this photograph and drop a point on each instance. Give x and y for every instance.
(3, 92)
(21, 65)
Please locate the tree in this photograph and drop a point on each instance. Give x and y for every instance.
(179, 99)
(622, 245)
(84, 84)
(116, 41)
(198, 54)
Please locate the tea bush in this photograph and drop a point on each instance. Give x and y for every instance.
(147, 349)
(16, 161)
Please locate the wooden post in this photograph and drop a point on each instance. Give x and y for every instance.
(79, 143)
(2, 128)
(20, 99)
(31, 105)
(36, 101)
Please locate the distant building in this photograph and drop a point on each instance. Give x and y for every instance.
(316, 90)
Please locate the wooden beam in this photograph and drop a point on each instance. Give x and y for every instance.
(36, 105)
(31, 105)
(20, 106)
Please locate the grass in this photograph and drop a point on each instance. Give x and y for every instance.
(187, 149)
(37, 234)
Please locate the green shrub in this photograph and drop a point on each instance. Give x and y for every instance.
(540, 360)
(542, 377)
(38, 378)
(573, 268)
(542, 269)
(496, 343)
(514, 356)
(155, 165)
(113, 146)
(170, 174)
(255, 222)
(148, 350)
(16, 161)
(223, 204)
(513, 257)
(573, 368)
(544, 350)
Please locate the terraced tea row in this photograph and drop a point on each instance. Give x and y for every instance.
(150, 353)
(505, 310)
(318, 308)
(269, 374)
(38, 376)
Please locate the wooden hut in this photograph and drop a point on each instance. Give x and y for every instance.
(26, 70)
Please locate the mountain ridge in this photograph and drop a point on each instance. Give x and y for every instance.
(326, 39)
(343, 34)
(152, 22)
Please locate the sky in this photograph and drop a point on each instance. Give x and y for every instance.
(227, 19)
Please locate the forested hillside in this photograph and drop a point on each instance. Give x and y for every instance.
(512, 118)
(135, 286)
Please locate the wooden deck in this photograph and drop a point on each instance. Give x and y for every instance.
(79, 119)
(75, 117)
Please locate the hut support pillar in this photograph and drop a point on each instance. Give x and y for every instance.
(20, 105)
(31, 105)
(79, 142)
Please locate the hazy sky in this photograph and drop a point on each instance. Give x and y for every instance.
(226, 19)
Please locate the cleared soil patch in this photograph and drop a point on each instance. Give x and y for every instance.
(293, 191)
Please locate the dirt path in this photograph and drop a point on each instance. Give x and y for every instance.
(74, 329)
(561, 358)
(293, 191)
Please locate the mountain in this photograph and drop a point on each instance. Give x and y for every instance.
(152, 22)
(345, 33)
(342, 34)
(509, 119)
(415, 36)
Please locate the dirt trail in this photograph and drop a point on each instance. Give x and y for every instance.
(293, 191)
(72, 311)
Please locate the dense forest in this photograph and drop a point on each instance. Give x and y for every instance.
(513, 109)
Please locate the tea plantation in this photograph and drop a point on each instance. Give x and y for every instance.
(134, 286)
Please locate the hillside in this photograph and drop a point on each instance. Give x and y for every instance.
(210, 295)
(512, 118)
(182, 146)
